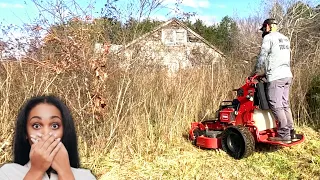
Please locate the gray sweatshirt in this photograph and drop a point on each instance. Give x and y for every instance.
(274, 56)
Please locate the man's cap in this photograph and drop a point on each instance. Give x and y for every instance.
(268, 21)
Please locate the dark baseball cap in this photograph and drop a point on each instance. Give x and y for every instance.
(268, 21)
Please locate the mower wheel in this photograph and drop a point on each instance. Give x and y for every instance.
(238, 142)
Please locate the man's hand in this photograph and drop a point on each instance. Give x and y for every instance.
(61, 164)
(258, 73)
(252, 74)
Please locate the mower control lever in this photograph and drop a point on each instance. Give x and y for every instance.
(251, 79)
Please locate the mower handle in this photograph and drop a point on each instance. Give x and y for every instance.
(254, 77)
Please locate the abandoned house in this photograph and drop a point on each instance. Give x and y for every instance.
(172, 45)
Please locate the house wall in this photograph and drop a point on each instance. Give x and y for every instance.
(171, 46)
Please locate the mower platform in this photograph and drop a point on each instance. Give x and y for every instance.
(299, 139)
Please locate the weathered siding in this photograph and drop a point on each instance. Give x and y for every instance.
(172, 46)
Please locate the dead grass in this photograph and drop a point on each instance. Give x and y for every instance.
(132, 125)
(184, 161)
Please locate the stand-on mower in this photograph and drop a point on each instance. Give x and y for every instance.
(241, 123)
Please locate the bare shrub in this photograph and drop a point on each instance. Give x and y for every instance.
(141, 110)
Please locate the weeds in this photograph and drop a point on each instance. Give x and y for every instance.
(132, 123)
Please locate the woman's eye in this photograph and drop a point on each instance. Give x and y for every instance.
(55, 126)
(36, 126)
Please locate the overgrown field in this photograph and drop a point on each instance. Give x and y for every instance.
(184, 161)
(133, 124)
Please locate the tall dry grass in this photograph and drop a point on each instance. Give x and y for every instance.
(138, 113)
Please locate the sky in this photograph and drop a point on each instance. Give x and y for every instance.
(14, 14)
(17, 12)
(212, 11)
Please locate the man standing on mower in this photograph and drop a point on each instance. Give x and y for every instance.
(274, 61)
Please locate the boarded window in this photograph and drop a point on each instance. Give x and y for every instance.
(168, 36)
(174, 36)
(181, 36)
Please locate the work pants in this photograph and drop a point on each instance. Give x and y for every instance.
(278, 98)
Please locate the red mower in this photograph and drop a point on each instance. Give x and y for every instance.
(241, 123)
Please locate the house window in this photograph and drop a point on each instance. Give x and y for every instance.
(168, 36)
(174, 36)
(181, 36)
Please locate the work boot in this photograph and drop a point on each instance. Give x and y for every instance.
(293, 135)
(284, 140)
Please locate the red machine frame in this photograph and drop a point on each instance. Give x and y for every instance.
(241, 116)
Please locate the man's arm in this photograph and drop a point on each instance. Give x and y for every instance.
(264, 52)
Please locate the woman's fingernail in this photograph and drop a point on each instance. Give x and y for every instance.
(50, 133)
(33, 136)
(34, 140)
(39, 134)
(58, 139)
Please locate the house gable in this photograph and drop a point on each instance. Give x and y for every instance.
(174, 32)
(172, 45)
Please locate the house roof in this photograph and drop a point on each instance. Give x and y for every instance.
(182, 25)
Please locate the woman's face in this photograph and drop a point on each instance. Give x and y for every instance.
(43, 119)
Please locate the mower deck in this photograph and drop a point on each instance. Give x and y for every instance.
(213, 141)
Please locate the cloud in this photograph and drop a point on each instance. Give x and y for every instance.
(208, 20)
(196, 3)
(190, 3)
(169, 1)
(159, 17)
(8, 5)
